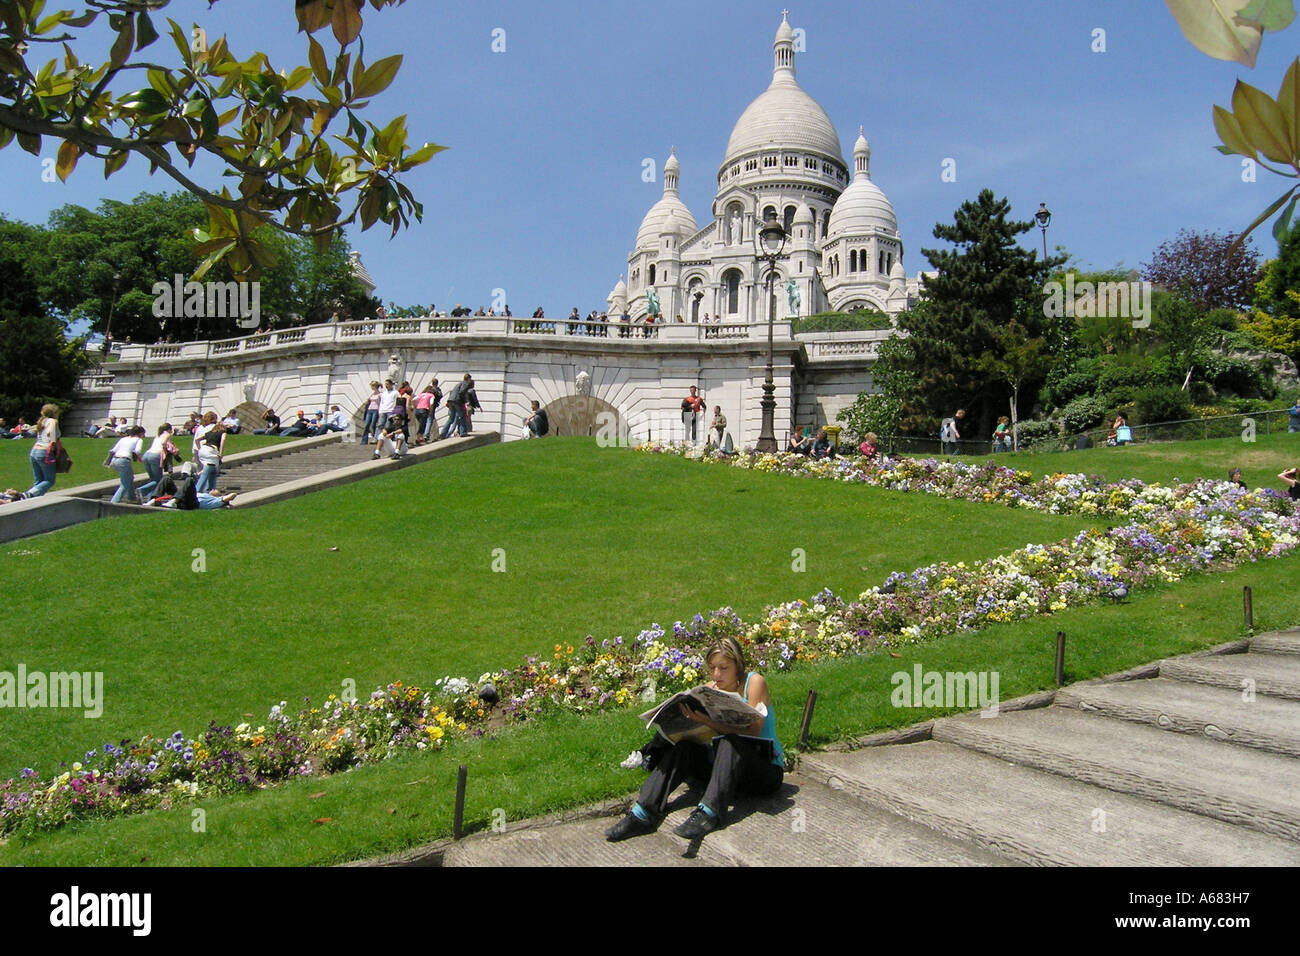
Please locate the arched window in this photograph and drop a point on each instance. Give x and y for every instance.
(880, 263)
(732, 281)
(769, 212)
(652, 273)
(789, 219)
(853, 260)
(826, 223)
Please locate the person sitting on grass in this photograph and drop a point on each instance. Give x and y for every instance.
(746, 760)
(537, 422)
(1292, 483)
(1234, 476)
(822, 446)
(870, 445)
(391, 440)
(799, 443)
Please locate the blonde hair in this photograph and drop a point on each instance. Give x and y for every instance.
(47, 411)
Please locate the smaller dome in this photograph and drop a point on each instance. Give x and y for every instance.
(861, 143)
(804, 213)
(897, 272)
(619, 291)
(861, 209)
(672, 166)
(669, 214)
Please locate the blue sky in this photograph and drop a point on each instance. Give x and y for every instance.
(541, 190)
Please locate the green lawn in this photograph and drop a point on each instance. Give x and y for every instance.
(87, 456)
(593, 542)
(599, 542)
(1166, 462)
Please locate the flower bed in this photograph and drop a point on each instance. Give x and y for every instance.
(1171, 532)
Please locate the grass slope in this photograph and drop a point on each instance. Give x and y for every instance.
(592, 541)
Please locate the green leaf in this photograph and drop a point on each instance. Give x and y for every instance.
(115, 161)
(298, 77)
(145, 33)
(377, 78)
(1269, 14)
(50, 22)
(1212, 27)
(146, 101)
(30, 142)
(6, 136)
(182, 41)
(221, 249)
(422, 155)
(319, 65)
(1262, 122)
(85, 20)
(1288, 98)
(1283, 224)
(1229, 130)
(122, 45)
(1263, 216)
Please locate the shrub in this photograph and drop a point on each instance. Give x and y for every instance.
(1031, 433)
(862, 321)
(1082, 414)
(1069, 387)
(1166, 404)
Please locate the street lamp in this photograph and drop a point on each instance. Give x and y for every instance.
(108, 326)
(1044, 219)
(769, 243)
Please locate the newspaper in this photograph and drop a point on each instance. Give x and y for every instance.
(720, 706)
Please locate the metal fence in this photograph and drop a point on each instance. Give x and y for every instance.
(1245, 425)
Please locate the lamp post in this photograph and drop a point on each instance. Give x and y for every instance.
(1044, 219)
(769, 243)
(108, 326)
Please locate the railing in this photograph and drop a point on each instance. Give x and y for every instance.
(1244, 426)
(440, 325)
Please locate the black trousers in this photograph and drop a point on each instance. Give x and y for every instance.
(730, 764)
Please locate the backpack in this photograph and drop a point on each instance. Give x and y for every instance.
(187, 498)
(946, 429)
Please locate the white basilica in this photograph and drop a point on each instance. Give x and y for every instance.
(784, 160)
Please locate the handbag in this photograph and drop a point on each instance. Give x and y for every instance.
(62, 460)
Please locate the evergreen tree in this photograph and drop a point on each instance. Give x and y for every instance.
(984, 285)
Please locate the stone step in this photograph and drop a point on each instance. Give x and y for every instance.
(1277, 642)
(1266, 723)
(569, 844)
(810, 824)
(1238, 785)
(805, 824)
(1037, 818)
(1277, 675)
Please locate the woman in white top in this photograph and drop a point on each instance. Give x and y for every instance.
(47, 434)
(153, 459)
(208, 454)
(125, 451)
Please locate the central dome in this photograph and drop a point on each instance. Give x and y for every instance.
(783, 116)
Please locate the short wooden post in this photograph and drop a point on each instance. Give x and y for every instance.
(1248, 607)
(1060, 658)
(458, 821)
(806, 723)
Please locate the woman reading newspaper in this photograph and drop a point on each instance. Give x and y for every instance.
(739, 758)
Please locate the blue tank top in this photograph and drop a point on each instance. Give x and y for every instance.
(769, 728)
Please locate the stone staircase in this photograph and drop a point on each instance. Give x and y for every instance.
(1194, 763)
(263, 473)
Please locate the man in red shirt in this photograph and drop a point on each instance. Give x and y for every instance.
(692, 408)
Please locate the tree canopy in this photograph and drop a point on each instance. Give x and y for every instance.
(305, 165)
(985, 284)
(1208, 269)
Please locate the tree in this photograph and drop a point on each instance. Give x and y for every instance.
(894, 378)
(38, 364)
(103, 265)
(241, 112)
(1275, 321)
(1209, 270)
(983, 285)
(1016, 359)
(1185, 333)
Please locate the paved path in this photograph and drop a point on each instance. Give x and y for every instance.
(1191, 762)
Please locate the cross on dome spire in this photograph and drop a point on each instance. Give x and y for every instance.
(783, 49)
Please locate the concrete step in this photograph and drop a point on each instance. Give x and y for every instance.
(1277, 675)
(1037, 818)
(1238, 785)
(569, 844)
(1265, 723)
(805, 824)
(1277, 642)
(810, 824)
